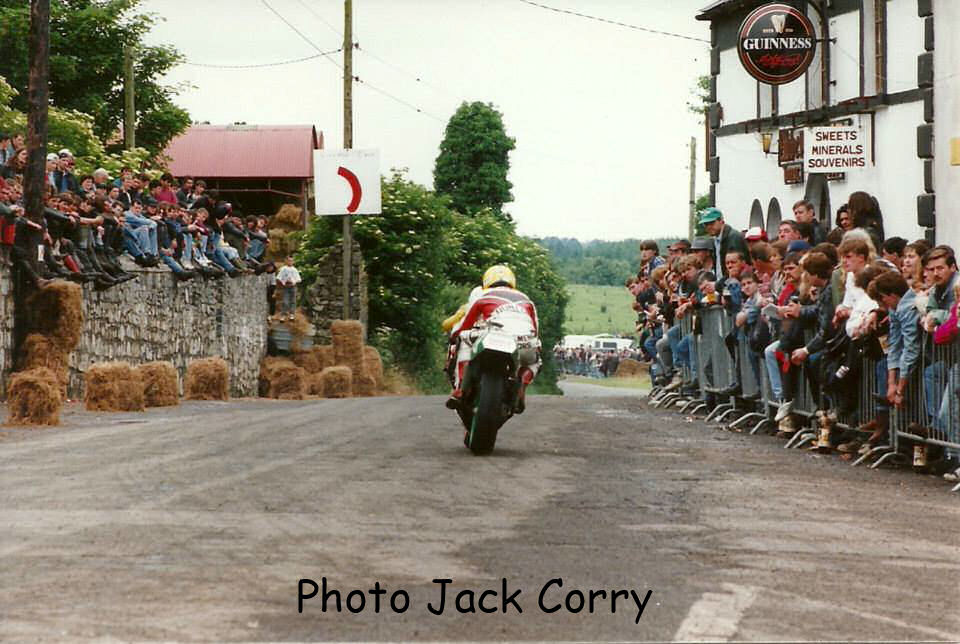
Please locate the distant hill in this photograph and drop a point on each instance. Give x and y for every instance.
(597, 262)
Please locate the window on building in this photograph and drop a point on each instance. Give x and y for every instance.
(873, 64)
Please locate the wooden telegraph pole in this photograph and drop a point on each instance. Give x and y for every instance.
(693, 186)
(38, 96)
(129, 115)
(347, 144)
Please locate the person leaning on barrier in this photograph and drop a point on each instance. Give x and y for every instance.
(948, 418)
(725, 238)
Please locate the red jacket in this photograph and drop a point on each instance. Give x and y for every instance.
(491, 301)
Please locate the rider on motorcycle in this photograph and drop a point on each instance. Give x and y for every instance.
(499, 290)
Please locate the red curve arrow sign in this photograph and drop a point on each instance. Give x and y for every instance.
(354, 186)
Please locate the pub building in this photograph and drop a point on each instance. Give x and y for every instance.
(782, 73)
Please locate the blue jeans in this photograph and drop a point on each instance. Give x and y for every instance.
(256, 249)
(948, 415)
(773, 370)
(289, 298)
(137, 222)
(134, 241)
(172, 264)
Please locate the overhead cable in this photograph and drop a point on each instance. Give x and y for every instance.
(615, 22)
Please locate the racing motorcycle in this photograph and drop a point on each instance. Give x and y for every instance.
(499, 347)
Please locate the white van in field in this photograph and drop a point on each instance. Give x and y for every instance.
(603, 342)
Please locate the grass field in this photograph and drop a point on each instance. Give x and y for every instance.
(599, 309)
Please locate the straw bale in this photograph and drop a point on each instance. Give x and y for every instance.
(281, 378)
(324, 353)
(374, 365)
(289, 217)
(300, 329)
(337, 382)
(33, 398)
(629, 368)
(56, 310)
(310, 360)
(161, 385)
(314, 384)
(207, 379)
(347, 336)
(364, 385)
(40, 351)
(113, 386)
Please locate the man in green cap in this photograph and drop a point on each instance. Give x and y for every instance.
(725, 238)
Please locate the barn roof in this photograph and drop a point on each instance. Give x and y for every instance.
(239, 151)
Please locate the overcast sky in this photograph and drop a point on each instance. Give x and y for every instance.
(598, 111)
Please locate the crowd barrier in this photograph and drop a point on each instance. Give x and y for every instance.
(929, 417)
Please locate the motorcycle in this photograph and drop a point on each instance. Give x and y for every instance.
(499, 348)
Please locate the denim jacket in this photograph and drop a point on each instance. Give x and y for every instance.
(904, 337)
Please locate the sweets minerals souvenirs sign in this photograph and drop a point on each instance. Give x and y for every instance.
(777, 43)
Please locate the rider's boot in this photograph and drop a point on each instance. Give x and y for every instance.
(456, 396)
(526, 377)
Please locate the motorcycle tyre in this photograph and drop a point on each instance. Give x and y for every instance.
(488, 416)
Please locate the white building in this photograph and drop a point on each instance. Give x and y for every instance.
(875, 68)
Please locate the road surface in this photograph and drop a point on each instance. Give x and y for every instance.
(197, 523)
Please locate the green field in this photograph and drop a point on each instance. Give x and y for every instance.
(599, 309)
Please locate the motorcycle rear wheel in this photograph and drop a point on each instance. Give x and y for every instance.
(488, 416)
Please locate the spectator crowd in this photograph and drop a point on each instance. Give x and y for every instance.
(593, 363)
(813, 309)
(91, 222)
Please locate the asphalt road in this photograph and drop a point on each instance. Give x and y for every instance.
(196, 523)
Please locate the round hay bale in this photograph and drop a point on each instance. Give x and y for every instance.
(374, 365)
(161, 384)
(300, 329)
(40, 351)
(56, 310)
(347, 338)
(281, 378)
(113, 386)
(33, 398)
(310, 361)
(207, 379)
(337, 382)
(289, 217)
(629, 368)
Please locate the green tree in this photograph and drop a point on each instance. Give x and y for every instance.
(700, 96)
(87, 40)
(473, 162)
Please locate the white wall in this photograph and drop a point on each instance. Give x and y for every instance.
(896, 178)
(947, 119)
(845, 57)
(904, 44)
(736, 90)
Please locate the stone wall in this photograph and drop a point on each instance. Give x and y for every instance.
(323, 301)
(156, 318)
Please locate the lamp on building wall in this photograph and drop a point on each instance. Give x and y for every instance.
(766, 141)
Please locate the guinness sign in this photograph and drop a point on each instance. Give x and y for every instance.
(776, 44)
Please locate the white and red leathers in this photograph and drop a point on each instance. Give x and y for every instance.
(481, 306)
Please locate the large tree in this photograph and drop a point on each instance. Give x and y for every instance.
(473, 162)
(87, 40)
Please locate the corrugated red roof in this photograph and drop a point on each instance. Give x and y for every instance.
(235, 151)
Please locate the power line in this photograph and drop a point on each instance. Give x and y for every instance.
(355, 78)
(614, 22)
(257, 65)
(299, 33)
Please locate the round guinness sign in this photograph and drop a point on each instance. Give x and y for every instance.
(776, 44)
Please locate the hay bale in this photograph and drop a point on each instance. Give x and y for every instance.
(629, 368)
(337, 382)
(39, 351)
(113, 386)
(347, 337)
(288, 218)
(281, 378)
(56, 310)
(324, 354)
(161, 384)
(207, 379)
(314, 384)
(33, 398)
(300, 330)
(364, 385)
(310, 361)
(374, 365)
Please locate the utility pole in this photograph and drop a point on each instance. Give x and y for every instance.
(38, 95)
(693, 185)
(347, 144)
(129, 115)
